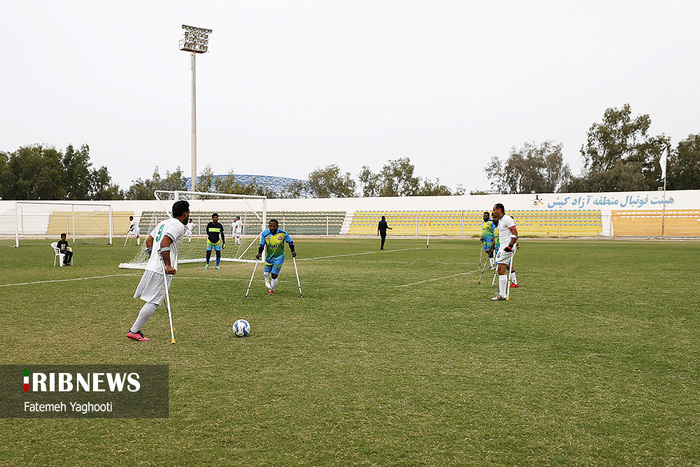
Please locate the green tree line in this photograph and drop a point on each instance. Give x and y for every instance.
(619, 155)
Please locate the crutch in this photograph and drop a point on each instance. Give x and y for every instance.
(495, 273)
(251, 278)
(297, 272)
(510, 272)
(482, 273)
(127, 238)
(481, 253)
(167, 300)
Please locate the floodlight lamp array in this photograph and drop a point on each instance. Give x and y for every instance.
(196, 39)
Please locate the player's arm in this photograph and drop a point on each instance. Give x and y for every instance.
(149, 245)
(223, 240)
(165, 254)
(261, 247)
(291, 246)
(513, 238)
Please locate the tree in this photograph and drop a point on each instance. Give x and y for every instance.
(296, 189)
(33, 173)
(397, 178)
(429, 188)
(683, 170)
(205, 181)
(101, 186)
(330, 183)
(620, 155)
(76, 177)
(530, 168)
(370, 182)
(144, 189)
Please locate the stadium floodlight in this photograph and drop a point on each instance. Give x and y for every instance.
(196, 41)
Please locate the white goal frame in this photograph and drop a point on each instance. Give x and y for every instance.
(163, 196)
(19, 231)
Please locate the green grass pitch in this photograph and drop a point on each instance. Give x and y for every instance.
(391, 358)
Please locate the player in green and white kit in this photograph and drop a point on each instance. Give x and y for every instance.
(162, 246)
(273, 238)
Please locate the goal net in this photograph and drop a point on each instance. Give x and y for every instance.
(252, 211)
(81, 222)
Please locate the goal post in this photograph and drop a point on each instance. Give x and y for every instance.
(81, 222)
(251, 209)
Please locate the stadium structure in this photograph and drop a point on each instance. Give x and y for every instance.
(270, 182)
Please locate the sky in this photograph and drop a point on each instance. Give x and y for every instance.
(289, 86)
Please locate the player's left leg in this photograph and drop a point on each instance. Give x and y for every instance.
(275, 276)
(217, 248)
(210, 245)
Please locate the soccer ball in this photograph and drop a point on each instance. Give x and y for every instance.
(241, 328)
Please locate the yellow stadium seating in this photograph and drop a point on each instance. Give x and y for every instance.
(649, 223)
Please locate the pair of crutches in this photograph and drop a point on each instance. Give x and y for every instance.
(256, 267)
(510, 272)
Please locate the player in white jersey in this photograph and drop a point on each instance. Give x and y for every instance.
(135, 229)
(507, 238)
(237, 229)
(190, 230)
(162, 246)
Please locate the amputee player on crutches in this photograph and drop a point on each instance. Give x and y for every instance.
(508, 238)
(273, 238)
(162, 246)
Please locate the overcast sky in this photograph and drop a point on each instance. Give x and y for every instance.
(292, 85)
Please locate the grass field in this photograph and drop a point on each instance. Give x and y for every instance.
(391, 358)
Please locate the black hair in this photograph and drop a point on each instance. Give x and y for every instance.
(273, 220)
(500, 206)
(180, 207)
(63, 235)
(486, 212)
(215, 214)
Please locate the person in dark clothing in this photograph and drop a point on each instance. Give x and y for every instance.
(214, 231)
(381, 230)
(67, 252)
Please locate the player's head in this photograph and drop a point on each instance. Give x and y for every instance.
(498, 211)
(215, 217)
(181, 210)
(131, 218)
(273, 225)
(383, 218)
(63, 236)
(487, 215)
(238, 217)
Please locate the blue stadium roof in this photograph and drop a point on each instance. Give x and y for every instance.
(269, 181)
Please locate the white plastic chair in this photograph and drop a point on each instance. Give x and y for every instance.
(58, 254)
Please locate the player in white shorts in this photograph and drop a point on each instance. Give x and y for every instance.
(508, 238)
(135, 229)
(162, 246)
(237, 229)
(190, 230)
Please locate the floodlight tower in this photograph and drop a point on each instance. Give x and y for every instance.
(196, 41)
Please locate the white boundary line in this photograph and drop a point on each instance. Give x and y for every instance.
(438, 278)
(68, 280)
(358, 254)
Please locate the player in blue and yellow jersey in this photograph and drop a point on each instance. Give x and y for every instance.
(488, 236)
(273, 238)
(215, 239)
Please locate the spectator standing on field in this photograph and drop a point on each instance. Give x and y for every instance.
(135, 229)
(237, 230)
(381, 230)
(190, 230)
(161, 246)
(508, 238)
(65, 249)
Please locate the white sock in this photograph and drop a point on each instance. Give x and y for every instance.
(491, 261)
(138, 241)
(502, 284)
(146, 312)
(267, 280)
(274, 283)
(512, 278)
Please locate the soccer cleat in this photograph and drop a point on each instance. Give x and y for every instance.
(137, 336)
(217, 267)
(513, 286)
(271, 292)
(206, 266)
(498, 298)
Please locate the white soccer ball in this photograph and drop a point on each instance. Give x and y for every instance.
(241, 328)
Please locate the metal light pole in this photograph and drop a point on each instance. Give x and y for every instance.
(196, 41)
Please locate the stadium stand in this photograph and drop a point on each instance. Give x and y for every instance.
(94, 223)
(468, 223)
(294, 222)
(649, 223)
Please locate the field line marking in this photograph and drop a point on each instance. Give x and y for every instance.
(67, 280)
(357, 254)
(438, 278)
